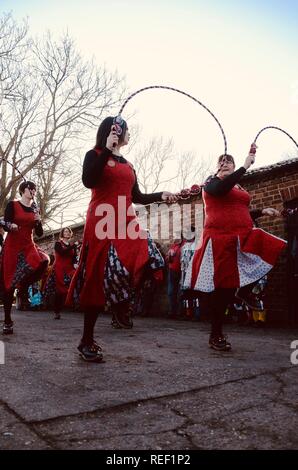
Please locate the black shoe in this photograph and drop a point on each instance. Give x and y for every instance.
(115, 323)
(57, 316)
(219, 343)
(8, 328)
(91, 352)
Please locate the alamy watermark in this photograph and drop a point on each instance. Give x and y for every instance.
(2, 353)
(294, 354)
(162, 220)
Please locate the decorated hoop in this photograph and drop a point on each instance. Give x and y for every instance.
(277, 128)
(118, 118)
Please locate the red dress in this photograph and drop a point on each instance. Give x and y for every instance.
(232, 252)
(63, 266)
(59, 278)
(20, 256)
(102, 260)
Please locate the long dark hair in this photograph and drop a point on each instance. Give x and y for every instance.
(104, 130)
(26, 184)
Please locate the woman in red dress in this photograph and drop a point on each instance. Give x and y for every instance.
(232, 253)
(22, 261)
(62, 270)
(115, 251)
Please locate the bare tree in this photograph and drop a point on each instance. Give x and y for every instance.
(13, 45)
(151, 163)
(59, 98)
(59, 185)
(191, 170)
(156, 164)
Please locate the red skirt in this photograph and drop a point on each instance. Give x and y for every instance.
(232, 260)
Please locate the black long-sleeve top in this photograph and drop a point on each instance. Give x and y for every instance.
(93, 167)
(217, 187)
(63, 249)
(9, 216)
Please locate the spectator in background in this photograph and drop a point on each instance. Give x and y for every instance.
(63, 269)
(152, 282)
(173, 259)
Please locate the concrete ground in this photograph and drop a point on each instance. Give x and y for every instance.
(159, 388)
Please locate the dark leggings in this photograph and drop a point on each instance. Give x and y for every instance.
(214, 305)
(33, 277)
(59, 302)
(8, 295)
(123, 307)
(7, 303)
(90, 317)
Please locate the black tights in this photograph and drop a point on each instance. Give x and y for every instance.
(59, 302)
(8, 295)
(7, 303)
(122, 307)
(90, 317)
(33, 277)
(214, 305)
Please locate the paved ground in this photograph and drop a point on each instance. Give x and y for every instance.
(160, 387)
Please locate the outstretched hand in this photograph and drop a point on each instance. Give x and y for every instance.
(169, 197)
(250, 159)
(271, 212)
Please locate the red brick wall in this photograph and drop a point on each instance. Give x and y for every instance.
(272, 191)
(192, 216)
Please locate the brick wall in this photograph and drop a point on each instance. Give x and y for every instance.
(187, 213)
(274, 188)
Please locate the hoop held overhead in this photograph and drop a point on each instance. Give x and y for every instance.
(183, 93)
